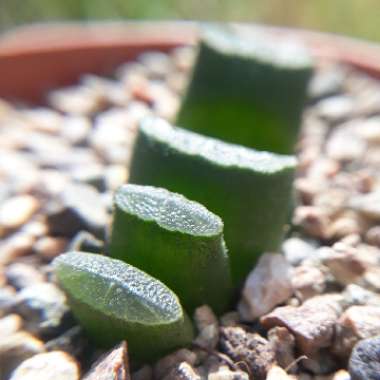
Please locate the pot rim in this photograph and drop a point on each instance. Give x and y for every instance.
(58, 52)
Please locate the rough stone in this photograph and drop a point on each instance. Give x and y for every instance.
(167, 363)
(252, 349)
(182, 371)
(17, 210)
(17, 245)
(296, 250)
(16, 348)
(79, 207)
(76, 129)
(10, 324)
(312, 323)
(224, 373)
(207, 326)
(308, 281)
(111, 366)
(283, 343)
(277, 373)
(43, 306)
(357, 295)
(48, 247)
(364, 362)
(335, 108)
(266, 286)
(373, 236)
(21, 275)
(7, 299)
(54, 365)
(367, 204)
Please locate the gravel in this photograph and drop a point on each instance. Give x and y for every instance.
(59, 166)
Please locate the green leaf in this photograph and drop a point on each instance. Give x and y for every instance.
(247, 89)
(175, 240)
(249, 190)
(114, 301)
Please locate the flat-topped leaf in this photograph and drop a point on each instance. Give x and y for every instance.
(174, 239)
(114, 301)
(249, 190)
(248, 90)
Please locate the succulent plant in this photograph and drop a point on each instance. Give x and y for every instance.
(247, 90)
(248, 189)
(113, 300)
(176, 240)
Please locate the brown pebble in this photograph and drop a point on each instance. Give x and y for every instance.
(48, 247)
(16, 245)
(113, 365)
(16, 211)
(55, 365)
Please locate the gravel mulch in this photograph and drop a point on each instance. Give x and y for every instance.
(300, 313)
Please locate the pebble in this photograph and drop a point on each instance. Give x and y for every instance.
(16, 348)
(182, 371)
(307, 281)
(7, 299)
(357, 295)
(283, 343)
(250, 348)
(112, 365)
(266, 286)
(17, 245)
(76, 129)
(296, 250)
(10, 324)
(367, 204)
(78, 207)
(364, 362)
(207, 326)
(48, 247)
(21, 275)
(361, 321)
(277, 373)
(335, 108)
(17, 210)
(224, 373)
(44, 308)
(373, 236)
(167, 363)
(313, 220)
(54, 365)
(158, 64)
(43, 120)
(312, 323)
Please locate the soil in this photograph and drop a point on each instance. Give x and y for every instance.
(60, 164)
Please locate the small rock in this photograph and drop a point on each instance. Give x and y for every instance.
(357, 295)
(48, 247)
(362, 321)
(158, 64)
(183, 371)
(373, 236)
(208, 327)
(72, 341)
(252, 349)
(371, 278)
(224, 373)
(43, 306)
(54, 365)
(313, 220)
(16, 348)
(283, 343)
(17, 245)
(7, 299)
(277, 373)
(335, 108)
(92, 175)
(369, 129)
(183, 57)
(364, 362)
(164, 365)
(327, 82)
(312, 323)
(308, 281)
(144, 373)
(296, 250)
(21, 275)
(339, 375)
(79, 207)
(76, 129)
(266, 286)
(43, 120)
(10, 325)
(367, 204)
(344, 263)
(111, 366)
(17, 210)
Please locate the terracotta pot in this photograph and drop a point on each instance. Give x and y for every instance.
(34, 59)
